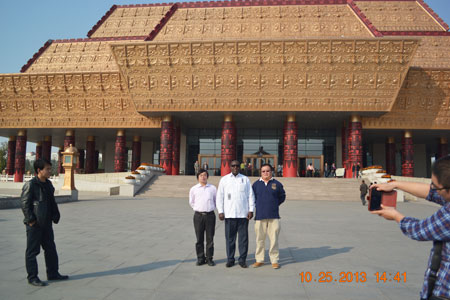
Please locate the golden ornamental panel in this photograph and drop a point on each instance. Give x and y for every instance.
(290, 21)
(433, 52)
(83, 100)
(423, 103)
(131, 21)
(322, 74)
(84, 56)
(398, 16)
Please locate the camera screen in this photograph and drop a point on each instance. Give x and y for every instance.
(375, 200)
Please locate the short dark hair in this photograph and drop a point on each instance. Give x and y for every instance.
(441, 169)
(267, 165)
(40, 164)
(200, 171)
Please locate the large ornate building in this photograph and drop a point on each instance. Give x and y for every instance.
(290, 82)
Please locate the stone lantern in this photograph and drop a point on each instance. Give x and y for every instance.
(70, 159)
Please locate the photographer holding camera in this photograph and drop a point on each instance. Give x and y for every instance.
(435, 228)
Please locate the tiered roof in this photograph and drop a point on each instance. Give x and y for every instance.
(257, 19)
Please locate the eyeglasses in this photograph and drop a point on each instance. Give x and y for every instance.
(434, 188)
(266, 171)
(233, 166)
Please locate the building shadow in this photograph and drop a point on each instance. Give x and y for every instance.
(130, 270)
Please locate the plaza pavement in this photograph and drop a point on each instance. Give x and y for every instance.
(143, 248)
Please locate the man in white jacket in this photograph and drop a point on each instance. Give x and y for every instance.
(235, 203)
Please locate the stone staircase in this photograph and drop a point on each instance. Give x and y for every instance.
(334, 189)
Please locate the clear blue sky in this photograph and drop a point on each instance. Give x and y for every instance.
(25, 25)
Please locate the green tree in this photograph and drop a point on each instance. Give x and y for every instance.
(3, 155)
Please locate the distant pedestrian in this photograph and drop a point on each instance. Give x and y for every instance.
(333, 170)
(309, 170)
(363, 188)
(358, 169)
(196, 166)
(326, 170)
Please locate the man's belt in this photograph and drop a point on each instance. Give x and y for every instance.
(204, 213)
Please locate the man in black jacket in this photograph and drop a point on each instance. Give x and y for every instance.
(40, 209)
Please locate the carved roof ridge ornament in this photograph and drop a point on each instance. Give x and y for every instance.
(359, 75)
(36, 56)
(362, 17)
(162, 22)
(101, 21)
(415, 33)
(434, 15)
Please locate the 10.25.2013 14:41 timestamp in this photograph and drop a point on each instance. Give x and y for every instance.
(347, 277)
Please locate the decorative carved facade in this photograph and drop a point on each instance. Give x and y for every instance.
(86, 100)
(390, 58)
(399, 16)
(291, 21)
(283, 75)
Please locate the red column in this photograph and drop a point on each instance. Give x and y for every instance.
(407, 155)
(80, 162)
(47, 147)
(136, 153)
(176, 150)
(390, 156)
(38, 150)
(344, 145)
(69, 139)
(21, 148)
(96, 159)
(165, 153)
(228, 147)
(442, 148)
(355, 151)
(90, 155)
(120, 154)
(10, 161)
(290, 151)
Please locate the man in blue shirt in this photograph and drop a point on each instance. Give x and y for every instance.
(434, 228)
(269, 194)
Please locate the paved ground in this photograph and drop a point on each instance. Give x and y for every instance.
(141, 248)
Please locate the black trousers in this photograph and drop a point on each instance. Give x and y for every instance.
(204, 223)
(37, 237)
(233, 227)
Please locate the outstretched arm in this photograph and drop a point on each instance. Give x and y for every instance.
(415, 188)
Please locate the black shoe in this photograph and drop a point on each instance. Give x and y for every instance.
(58, 277)
(200, 262)
(229, 264)
(37, 282)
(210, 262)
(243, 264)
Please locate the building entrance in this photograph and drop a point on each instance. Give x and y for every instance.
(213, 162)
(253, 163)
(317, 163)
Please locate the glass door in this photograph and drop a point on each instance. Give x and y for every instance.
(310, 166)
(254, 162)
(211, 163)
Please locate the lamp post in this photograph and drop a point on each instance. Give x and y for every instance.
(70, 159)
